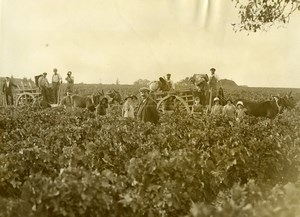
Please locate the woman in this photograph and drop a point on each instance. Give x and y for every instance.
(240, 111)
(128, 108)
(229, 109)
(217, 109)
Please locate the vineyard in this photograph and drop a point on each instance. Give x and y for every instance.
(55, 162)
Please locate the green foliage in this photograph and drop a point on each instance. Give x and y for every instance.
(55, 162)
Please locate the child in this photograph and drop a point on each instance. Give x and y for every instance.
(197, 107)
(128, 108)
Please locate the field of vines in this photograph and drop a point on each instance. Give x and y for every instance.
(56, 162)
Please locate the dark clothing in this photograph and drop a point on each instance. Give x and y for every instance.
(7, 90)
(147, 111)
(213, 83)
(55, 87)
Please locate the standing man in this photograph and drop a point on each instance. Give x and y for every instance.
(56, 82)
(213, 83)
(147, 111)
(44, 85)
(70, 82)
(8, 91)
(170, 82)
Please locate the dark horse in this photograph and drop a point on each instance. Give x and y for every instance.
(267, 108)
(114, 97)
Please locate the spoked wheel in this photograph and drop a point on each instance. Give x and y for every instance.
(172, 103)
(25, 99)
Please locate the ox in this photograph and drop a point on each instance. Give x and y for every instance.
(269, 108)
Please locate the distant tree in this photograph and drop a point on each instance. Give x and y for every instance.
(141, 82)
(184, 82)
(257, 15)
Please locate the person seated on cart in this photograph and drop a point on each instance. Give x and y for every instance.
(170, 83)
(8, 91)
(44, 87)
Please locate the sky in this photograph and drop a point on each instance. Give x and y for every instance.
(101, 41)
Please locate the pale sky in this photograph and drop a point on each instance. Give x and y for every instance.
(102, 40)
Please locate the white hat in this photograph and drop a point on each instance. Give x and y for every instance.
(240, 103)
(216, 99)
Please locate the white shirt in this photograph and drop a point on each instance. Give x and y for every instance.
(56, 78)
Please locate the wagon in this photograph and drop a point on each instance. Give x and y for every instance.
(28, 94)
(181, 100)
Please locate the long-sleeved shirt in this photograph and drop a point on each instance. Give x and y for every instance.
(229, 111)
(43, 82)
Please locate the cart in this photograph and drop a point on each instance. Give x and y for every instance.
(181, 100)
(27, 94)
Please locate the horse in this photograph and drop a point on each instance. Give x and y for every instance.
(202, 90)
(89, 102)
(114, 97)
(268, 108)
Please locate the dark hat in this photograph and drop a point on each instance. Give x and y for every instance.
(69, 73)
(45, 73)
(55, 70)
(144, 89)
(133, 97)
(168, 74)
(127, 97)
(7, 77)
(213, 69)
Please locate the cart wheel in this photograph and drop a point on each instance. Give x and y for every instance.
(25, 99)
(172, 103)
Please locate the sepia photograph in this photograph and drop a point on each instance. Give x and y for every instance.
(145, 108)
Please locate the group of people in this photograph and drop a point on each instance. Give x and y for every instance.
(145, 111)
(229, 110)
(56, 84)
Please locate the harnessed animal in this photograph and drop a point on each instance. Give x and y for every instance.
(269, 108)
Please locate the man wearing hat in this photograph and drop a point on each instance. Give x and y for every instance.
(213, 83)
(70, 82)
(147, 110)
(170, 83)
(44, 85)
(8, 91)
(56, 81)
